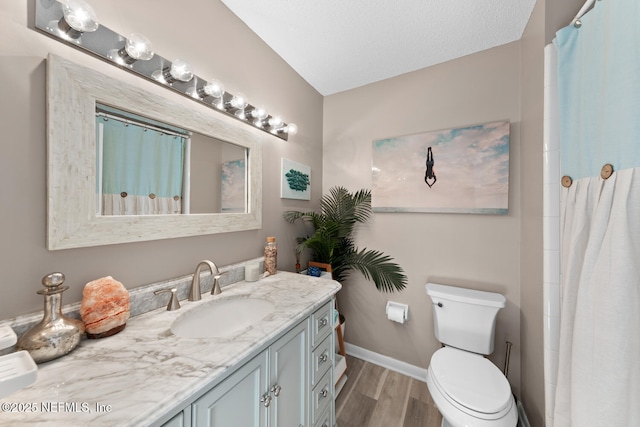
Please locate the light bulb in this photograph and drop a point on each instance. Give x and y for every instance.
(292, 129)
(259, 112)
(78, 17)
(181, 70)
(139, 47)
(213, 88)
(275, 122)
(136, 47)
(239, 102)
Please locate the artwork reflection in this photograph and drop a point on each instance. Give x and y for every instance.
(233, 186)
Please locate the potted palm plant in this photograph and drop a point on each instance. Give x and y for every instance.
(332, 241)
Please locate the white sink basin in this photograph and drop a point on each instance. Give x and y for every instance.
(222, 317)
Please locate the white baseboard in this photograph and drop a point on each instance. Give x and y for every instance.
(404, 368)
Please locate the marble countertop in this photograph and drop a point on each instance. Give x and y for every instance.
(145, 372)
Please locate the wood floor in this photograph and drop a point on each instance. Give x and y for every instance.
(377, 397)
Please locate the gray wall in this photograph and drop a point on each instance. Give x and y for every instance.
(219, 45)
(479, 251)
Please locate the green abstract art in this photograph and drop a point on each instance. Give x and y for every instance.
(298, 181)
(295, 181)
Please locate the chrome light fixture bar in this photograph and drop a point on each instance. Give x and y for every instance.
(74, 22)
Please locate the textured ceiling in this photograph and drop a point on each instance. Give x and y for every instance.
(337, 45)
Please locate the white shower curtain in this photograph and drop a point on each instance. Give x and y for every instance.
(598, 379)
(599, 367)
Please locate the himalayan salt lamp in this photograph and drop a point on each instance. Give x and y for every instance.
(104, 308)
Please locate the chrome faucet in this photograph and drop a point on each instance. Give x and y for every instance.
(195, 293)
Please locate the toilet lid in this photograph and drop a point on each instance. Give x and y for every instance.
(471, 380)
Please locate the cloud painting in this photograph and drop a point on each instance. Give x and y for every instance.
(462, 170)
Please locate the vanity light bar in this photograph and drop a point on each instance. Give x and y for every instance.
(136, 55)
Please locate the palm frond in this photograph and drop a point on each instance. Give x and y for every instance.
(379, 268)
(340, 261)
(362, 205)
(316, 219)
(345, 209)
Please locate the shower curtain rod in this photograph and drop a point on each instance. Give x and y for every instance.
(587, 4)
(128, 120)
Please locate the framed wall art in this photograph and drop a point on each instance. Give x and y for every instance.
(295, 181)
(458, 170)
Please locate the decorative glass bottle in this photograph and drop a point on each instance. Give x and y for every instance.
(271, 256)
(56, 335)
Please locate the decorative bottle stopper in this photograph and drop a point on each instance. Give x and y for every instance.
(56, 335)
(271, 256)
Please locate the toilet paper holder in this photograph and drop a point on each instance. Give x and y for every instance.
(394, 307)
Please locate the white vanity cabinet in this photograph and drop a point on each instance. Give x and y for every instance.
(286, 359)
(289, 384)
(236, 401)
(289, 370)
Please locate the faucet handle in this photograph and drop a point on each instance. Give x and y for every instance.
(173, 304)
(215, 289)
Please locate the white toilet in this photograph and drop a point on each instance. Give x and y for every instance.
(468, 389)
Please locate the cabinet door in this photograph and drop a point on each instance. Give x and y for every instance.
(177, 421)
(288, 358)
(236, 400)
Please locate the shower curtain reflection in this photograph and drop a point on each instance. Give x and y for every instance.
(141, 168)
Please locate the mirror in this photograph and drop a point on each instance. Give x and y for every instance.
(73, 218)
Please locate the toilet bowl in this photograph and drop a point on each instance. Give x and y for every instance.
(469, 390)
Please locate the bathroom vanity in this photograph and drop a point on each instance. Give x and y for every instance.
(277, 371)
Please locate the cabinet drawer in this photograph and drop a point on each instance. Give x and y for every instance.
(321, 323)
(325, 419)
(321, 359)
(321, 397)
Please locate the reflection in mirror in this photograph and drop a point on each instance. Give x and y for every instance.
(218, 176)
(147, 167)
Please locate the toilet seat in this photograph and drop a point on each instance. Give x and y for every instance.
(471, 380)
(471, 383)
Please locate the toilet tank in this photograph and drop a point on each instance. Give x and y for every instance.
(465, 318)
